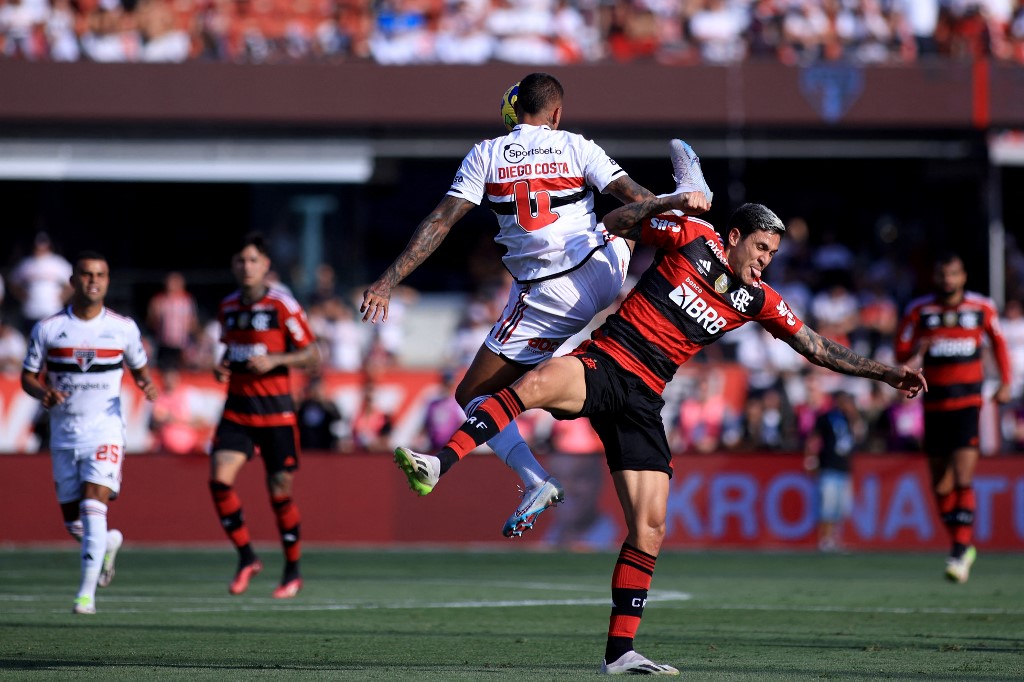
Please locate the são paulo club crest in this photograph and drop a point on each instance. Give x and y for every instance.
(84, 358)
(831, 90)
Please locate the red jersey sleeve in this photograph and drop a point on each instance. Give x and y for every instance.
(777, 318)
(296, 325)
(671, 230)
(907, 335)
(1000, 349)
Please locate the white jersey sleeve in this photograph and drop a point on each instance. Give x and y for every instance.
(540, 185)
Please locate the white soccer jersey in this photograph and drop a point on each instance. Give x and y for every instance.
(538, 183)
(85, 359)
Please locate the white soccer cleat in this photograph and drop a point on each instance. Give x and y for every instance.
(686, 170)
(423, 471)
(84, 606)
(959, 570)
(114, 540)
(535, 500)
(632, 663)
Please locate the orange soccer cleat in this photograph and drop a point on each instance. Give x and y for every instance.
(240, 583)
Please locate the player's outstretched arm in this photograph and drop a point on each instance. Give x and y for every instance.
(428, 236)
(626, 221)
(627, 191)
(838, 358)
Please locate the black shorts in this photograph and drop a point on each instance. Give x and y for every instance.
(949, 430)
(278, 445)
(626, 414)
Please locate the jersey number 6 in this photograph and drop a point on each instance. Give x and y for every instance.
(525, 215)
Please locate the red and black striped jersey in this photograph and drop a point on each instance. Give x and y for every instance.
(951, 338)
(687, 299)
(275, 323)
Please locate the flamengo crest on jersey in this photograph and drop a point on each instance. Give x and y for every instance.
(85, 360)
(688, 299)
(538, 183)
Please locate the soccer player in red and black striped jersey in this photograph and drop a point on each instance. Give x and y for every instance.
(949, 329)
(265, 333)
(698, 288)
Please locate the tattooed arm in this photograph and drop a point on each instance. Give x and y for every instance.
(627, 220)
(428, 236)
(838, 358)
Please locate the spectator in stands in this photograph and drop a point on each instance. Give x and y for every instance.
(343, 340)
(41, 281)
(173, 319)
(704, 418)
(719, 29)
(372, 424)
(443, 415)
(13, 346)
(320, 420)
(177, 425)
(162, 39)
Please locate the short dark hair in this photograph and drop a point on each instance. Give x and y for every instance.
(537, 92)
(947, 257)
(749, 218)
(254, 239)
(89, 254)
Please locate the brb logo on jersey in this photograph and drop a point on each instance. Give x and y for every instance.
(688, 297)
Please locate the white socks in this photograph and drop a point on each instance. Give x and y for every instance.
(94, 545)
(513, 450)
(75, 529)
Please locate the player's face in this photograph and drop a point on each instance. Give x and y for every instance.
(750, 255)
(250, 267)
(90, 280)
(951, 278)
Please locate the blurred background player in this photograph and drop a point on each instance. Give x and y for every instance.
(265, 333)
(837, 433)
(948, 329)
(173, 317)
(567, 268)
(74, 366)
(41, 282)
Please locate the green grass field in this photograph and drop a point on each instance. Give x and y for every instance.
(511, 615)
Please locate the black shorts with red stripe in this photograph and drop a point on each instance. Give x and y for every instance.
(626, 414)
(278, 445)
(949, 430)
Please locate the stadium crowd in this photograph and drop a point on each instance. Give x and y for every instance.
(554, 32)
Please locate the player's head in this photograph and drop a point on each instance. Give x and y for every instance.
(752, 240)
(251, 261)
(90, 278)
(540, 100)
(950, 275)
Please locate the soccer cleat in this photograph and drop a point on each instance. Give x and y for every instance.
(686, 170)
(287, 590)
(535, 500)
(114, 540)
(423, 471)
(959, 570)
(240, 583)
(84, 605)
(632, 663)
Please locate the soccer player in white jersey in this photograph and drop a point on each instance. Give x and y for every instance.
(74, 367)
(538, 180)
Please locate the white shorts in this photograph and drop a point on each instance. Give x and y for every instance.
(541, 316)
(74, 467)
